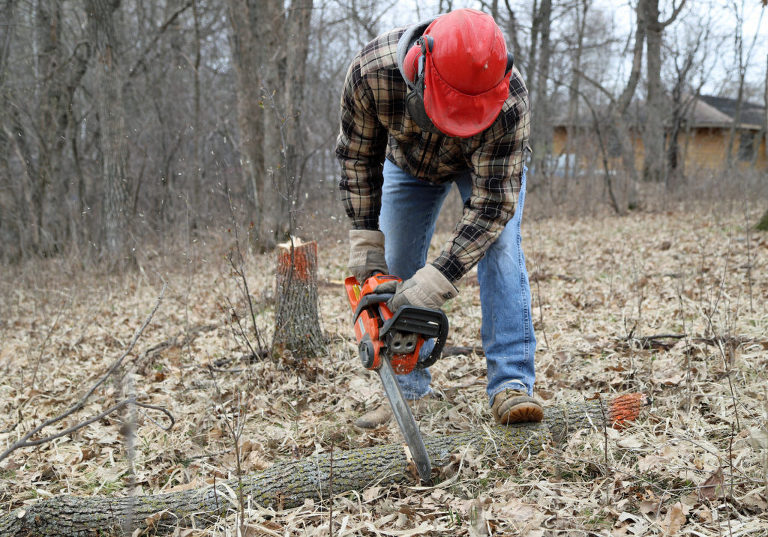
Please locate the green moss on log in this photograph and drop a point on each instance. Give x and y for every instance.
(762, 225)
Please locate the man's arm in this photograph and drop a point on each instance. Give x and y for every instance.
(496, 175)
(360, 148)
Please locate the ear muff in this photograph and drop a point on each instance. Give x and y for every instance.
(414, 100)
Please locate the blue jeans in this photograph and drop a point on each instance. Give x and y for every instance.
(409, 211)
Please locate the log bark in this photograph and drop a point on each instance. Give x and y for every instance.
(297, 327)
(289, 484)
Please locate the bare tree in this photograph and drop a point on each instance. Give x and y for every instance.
(743, 59)
(581, 11)
(111, 111)
(689, 54)
(541, 124)
(763, 224)
(269, 49)
(512, 29)
(655, 107)
(615, 124)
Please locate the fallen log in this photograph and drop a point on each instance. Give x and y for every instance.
(288, 484)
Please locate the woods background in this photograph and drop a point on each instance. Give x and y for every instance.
(130, 123)
(152, 153)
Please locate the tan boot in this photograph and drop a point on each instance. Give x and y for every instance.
(383, 413)
(516, 406)
(375, 418)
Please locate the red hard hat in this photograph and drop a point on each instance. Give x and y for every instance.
(466, 80)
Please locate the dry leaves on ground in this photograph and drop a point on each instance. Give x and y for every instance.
(673, 305)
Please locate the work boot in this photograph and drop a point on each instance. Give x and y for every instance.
(383, 413)
(516, 406)
(375, 418)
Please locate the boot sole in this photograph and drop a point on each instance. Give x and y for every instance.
(526, 412)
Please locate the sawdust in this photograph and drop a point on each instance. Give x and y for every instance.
(672, 305)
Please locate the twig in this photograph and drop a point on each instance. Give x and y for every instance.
(125, 402)
(730, 463)
(25, 442)
(240, 272)
(605, 447)
(43, 346)
(330, 495)
(727, 364)
(749, 261)
(235, 428)
(129, 433)
(233, 313)
(541, 312)
(467, 351)
(647, 342)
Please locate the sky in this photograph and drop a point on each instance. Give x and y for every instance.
(622, 14)
(755, 29)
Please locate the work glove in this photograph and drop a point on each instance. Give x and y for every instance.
(366, 253)
(427, 288)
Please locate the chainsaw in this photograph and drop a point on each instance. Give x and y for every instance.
(389, 343)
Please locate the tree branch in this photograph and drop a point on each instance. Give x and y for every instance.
(676, 11)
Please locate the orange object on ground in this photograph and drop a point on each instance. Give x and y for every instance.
(626, 408)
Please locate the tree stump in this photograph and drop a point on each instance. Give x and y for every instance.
(297, 327)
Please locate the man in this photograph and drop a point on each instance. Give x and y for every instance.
(425, 107)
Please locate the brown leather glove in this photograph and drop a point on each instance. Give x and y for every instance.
(427, 288)
(366, 253)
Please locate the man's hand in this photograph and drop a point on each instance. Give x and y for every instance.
(366, 253)
(427, 288)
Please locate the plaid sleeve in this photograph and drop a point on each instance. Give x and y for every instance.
(497, 169)
(360, 148)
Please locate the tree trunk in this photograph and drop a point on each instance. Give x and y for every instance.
(764, 128)
(270, 75)
(653, 134)
(513, 30)
(572, 130)
(298, 26)
(297, 327)
(541, 123)
(656, 110)
(10, 227)
(113, 140)
(246, 57)
(289, 484)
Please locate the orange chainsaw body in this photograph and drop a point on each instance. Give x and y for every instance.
(371, 318)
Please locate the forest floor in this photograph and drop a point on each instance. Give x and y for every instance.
(669, 304)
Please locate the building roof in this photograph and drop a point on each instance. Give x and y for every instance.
(704, 111)
(721, 111)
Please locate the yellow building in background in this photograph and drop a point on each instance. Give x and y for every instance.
(708, 123)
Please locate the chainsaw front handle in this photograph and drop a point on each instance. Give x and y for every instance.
(369, 300)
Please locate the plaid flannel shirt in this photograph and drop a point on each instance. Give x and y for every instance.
(375, 125)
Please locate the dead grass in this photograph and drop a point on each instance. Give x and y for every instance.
(670, 304)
